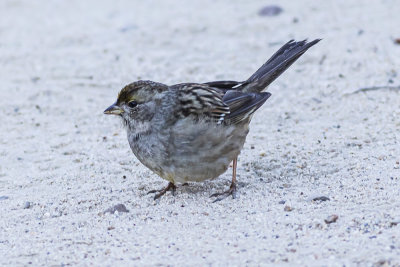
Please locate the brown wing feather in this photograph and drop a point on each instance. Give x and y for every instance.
(201, 100)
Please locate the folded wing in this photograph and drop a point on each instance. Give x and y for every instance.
(223, 106)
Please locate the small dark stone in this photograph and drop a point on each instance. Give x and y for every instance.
(3, 197)
(118, 207)
(27, 205)
(321, 198)
(282, 202)
(397, 41)
(35, 79)
(394, 223)
(331, 219)
(316, 100)
(270, 11)
(383, 263)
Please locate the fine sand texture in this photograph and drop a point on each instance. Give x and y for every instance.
(319, 175)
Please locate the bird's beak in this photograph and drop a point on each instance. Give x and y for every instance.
(114, 110)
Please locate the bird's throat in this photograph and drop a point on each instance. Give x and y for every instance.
(138, 130)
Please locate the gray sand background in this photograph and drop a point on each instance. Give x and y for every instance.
(63, 62)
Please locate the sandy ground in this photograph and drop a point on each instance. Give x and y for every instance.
(63, 163)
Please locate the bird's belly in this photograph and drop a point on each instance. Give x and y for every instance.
(197, 168)
(206, 153)
(194, 154)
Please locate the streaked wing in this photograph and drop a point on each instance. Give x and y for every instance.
(201, 100)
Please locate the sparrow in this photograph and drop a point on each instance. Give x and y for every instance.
(191, 132)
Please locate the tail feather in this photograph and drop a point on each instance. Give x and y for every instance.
(276, 65)
(242, 105)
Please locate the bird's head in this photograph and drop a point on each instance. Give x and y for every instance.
(136, 103)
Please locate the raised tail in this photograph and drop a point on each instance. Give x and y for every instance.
(276, 65)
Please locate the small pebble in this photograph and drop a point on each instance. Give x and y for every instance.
(394, 223)
(383, 263)
(27, 205)
(319, 198)
(35, 79)
(282, 202)
(331, 219)
(118, 207)
(3, 197)
(287, 208)
(270, 11)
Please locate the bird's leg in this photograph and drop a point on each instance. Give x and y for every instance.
(170, 187)
(232, 188)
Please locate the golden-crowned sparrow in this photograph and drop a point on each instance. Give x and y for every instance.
(192, 132)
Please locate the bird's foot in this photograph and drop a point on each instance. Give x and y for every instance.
(170, 187)
(230, 192)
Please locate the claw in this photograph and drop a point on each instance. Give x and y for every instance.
(170, 187)
(221, 196)
(232, 188)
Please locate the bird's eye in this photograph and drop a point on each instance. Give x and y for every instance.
(132, 104)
